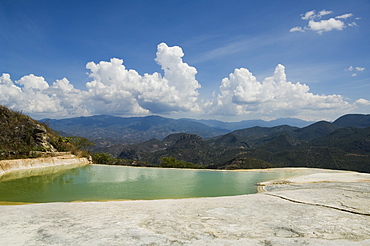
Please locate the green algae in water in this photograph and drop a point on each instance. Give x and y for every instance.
(99, 182)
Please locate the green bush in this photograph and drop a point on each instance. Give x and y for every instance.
(171, 162)
(72, 144)
(103, 158)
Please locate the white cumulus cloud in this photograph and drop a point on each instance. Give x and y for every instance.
(308, 15)
(324, 12)
(350, 68)
(360, 69)
(319, 25)
(274, 97)
(326, 25)
(362, 102)
(296, 29)
(355, 69)
(345, 16)
(30, 96)
(126, 91)
(114, 89)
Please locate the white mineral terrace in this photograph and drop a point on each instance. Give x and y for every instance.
(61, 159)
(321, 208)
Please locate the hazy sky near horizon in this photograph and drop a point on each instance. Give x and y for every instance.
(228, 60)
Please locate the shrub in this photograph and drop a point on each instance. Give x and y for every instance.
(174, 163)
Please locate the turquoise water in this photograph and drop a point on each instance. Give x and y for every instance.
(99, 182)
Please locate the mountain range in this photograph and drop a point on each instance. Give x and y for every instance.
(342, 144)
(231, 126)
(106, 130)
(319, 145)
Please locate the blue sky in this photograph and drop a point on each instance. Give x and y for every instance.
(303, 59)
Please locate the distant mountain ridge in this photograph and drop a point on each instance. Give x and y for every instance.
(106, 128)
(321, 145)
(355, 120)
(251, 123)
(342, 144)
(115, 129)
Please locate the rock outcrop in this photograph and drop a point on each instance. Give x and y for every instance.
(42, 138)
(20, 134)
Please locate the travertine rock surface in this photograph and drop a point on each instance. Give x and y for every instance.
(7, 166)
(306, 210)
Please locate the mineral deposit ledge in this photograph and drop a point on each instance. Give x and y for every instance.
(322, 207)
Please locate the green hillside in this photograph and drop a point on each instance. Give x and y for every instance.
(23, 137)
(355, 120)
(343, 144)
(320, 145)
